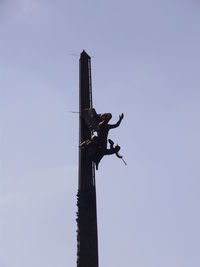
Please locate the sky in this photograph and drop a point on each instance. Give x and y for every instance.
(145, 63)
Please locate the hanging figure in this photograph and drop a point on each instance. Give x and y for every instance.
(97, 146)
(104, 128)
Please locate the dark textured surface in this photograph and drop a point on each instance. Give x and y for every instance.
(87, 241)
(87, 249)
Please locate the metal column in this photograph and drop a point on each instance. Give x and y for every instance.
(87, 240)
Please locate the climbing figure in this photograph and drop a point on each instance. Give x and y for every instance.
(104, 128)
(97, 146)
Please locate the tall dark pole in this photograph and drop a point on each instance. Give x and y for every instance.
(87, 241)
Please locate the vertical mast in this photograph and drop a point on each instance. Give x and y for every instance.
(87, 243)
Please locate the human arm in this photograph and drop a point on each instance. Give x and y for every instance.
(112, 126)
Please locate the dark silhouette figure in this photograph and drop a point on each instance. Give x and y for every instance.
(104, 128)
(97, 146)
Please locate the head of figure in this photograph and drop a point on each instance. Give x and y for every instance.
(106, 117)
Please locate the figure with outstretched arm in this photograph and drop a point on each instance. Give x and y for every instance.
(104, 128)
(97, 146)
(112, 126)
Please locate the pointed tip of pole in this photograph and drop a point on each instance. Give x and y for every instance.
(84, 54)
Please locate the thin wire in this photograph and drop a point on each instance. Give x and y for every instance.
(73, 55)
(124, 161)
(76, 112)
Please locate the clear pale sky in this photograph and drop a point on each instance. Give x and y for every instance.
(145, 63)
